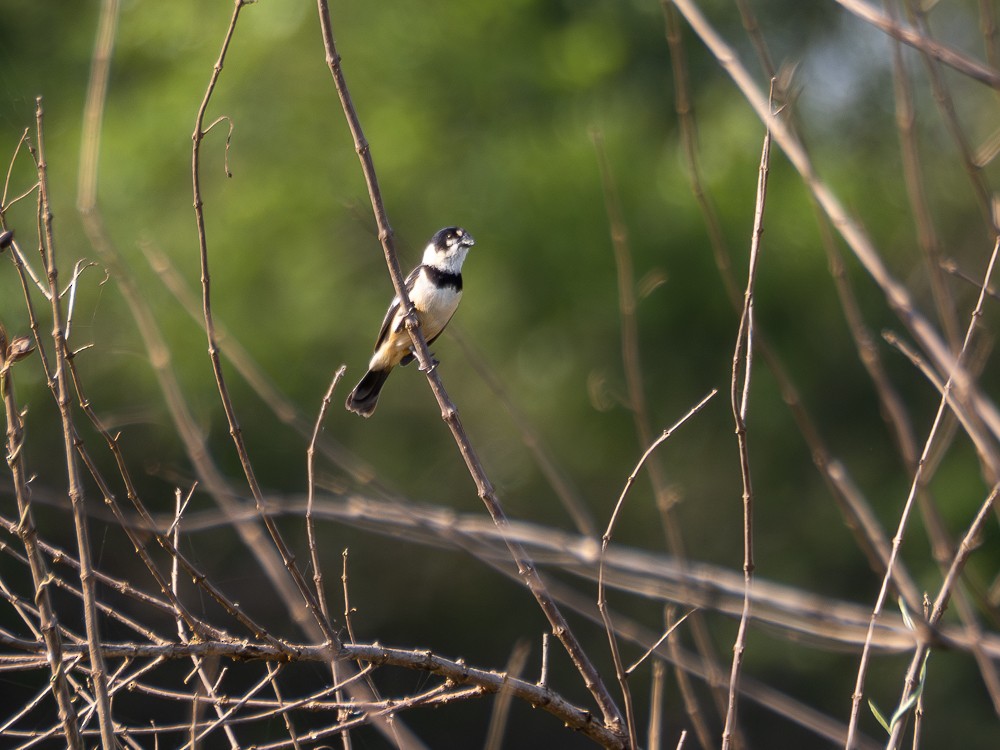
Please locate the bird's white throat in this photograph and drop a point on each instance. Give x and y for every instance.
(449, 261)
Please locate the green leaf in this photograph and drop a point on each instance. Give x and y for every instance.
(911, 701)
(923, 672)
(878, 716)
(901, 711)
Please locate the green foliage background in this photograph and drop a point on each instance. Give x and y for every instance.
(482, 114)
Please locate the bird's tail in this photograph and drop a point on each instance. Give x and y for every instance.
(363, 399)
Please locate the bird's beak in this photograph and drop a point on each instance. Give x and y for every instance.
(467, 240)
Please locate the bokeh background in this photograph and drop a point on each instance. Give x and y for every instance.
(484, 114)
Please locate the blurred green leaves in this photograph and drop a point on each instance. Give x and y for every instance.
(481, 114)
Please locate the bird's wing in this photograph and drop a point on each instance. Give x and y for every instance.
(390, 314)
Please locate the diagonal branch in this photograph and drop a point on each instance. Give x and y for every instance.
(526, 568)
(941, 52)
(897, 296)
(904, 515)
(602, 600)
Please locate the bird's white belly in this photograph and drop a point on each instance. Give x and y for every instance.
(435, 306)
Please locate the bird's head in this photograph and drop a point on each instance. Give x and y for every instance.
(448, 248)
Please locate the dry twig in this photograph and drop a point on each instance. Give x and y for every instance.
(740, 400)
(526, 568)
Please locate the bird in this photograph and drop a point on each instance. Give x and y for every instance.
(435, 289)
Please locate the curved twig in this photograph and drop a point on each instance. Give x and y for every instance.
(213, 349)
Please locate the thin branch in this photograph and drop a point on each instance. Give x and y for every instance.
(237, 355)
(950, 265)
(558, 481)
(4, 205)
(397, 734)
(59, 385)
(940, 52)
(796, 612)
(773, 700)
(947, 314)
(227, 403)
(965, 549)
(157, 350)
(526, 568)
(346, 737)
(659, 642)
(543, 676)
(62, 557)
(602, 602)
(662, 492)
(310, 474)
(501, 706)
(905, 513)
(457, 672)
(205, 685)
(200, 579)
(48, 621)
(739, 398)
(282, 708)
(897, 296)
(913, 174)
(654, 732)
(224, 713)
(946, 104)
(437, 696)
(93, 111)
(689, 136)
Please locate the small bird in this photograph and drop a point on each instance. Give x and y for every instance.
(435, 289)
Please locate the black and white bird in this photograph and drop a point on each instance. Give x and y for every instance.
(435, 289)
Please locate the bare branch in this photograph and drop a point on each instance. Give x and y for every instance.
(48, 621)
(59, 385)
(234, 428)
(917, 478)
(740, 399)
(950, 57)
(449, 413)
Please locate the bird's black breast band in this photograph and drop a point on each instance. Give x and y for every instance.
(442, 279)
